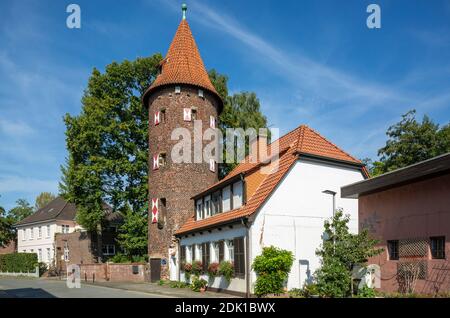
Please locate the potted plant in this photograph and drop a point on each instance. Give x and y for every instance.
(197, 268)
(226, 269)
(213, 270)
(199, 284)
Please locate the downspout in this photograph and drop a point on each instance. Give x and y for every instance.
(178, 259)
(247, 257)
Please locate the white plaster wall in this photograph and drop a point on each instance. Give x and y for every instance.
(236, 284)
(293, 216)
(44, 242)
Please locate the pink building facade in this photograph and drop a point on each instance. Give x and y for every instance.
(408, 211)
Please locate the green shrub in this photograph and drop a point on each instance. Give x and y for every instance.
(295, 293)
(310, 290)
(161, 282)
(119, 258)
(366, 292)
(226, 269)
(177, 284)
(42, 268)
(18, 262)
(198, 283)
(272, 268)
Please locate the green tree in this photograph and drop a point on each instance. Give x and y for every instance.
(6, 230)
(22, 210)
(133, 233)
(7, 220)
(242, 110)
(43, 199)
(340, 252)
(411, 141)
(108, 144)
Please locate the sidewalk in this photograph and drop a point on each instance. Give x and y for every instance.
(153, 288)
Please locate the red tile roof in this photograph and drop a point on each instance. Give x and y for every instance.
(183, 64)
(302, 140)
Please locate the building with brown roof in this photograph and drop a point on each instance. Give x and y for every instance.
(54, 235)
(181, 97)
(284, 205)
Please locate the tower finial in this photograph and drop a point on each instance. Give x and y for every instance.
(184, 9)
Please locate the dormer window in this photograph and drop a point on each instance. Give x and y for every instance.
(200, 93)
(177, 89)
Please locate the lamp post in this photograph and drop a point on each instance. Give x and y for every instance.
(333, 193)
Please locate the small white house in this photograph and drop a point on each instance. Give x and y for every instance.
(248, 210)
(36, 233)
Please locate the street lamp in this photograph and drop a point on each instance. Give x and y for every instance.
(334, 209)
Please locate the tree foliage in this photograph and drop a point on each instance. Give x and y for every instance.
(108, 143)
(43, 199)
(339, 253)
(410, 141)
(8, 219)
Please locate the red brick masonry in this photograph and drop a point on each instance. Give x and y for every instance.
(114, 272)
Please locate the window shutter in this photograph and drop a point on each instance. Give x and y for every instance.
(212, 122)
(221, 250)
(205, 255)
(182, 254)
(155, 210)
(212, 165)
(187, 112)
(239, 260)
(157, 118)
(156, 162)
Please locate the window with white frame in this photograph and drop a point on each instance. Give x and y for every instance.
(49, 255)
(65, 228)
(198, 252)
(188, 254)
(48, 230)
(39, 255)
(207, 206)
(32, 233)
(40, 232)
(214, 252)
(226, 199)
(216, 202)
(24, 234)
(229, 250)
(237, 195)
(199, 209)
(109, 249)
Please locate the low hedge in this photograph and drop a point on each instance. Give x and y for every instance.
(18, 262)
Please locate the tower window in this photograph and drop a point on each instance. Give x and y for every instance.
(200, 93)
(162, 159)
(193, 114)
(177, 89)
(212, 165)
(393, 249)
(163, 115)
(187, 112)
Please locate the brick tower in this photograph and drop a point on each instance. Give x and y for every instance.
(180, 94)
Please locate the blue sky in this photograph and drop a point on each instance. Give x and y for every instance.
(310, 62)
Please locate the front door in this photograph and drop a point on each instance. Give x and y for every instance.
(155, 269)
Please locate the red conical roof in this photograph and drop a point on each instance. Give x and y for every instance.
(183, 64)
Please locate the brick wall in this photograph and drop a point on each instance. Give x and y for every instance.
(80, 249)
(176, 182)
(114, 272)
(9, 248)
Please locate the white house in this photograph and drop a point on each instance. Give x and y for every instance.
(248, 210)
(36, 233)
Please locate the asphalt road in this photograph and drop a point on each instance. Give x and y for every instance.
(40, 288)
